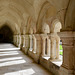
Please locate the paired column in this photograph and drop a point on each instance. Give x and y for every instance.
(31, 43)
(45, 40)
(53, 48)
(34, 44)
(38, 44)
(19, 40)
(43, 47)
(57, 47)
(23, 40)
(48, 47)
(55, 44)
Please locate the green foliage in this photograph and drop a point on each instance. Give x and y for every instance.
(61, 50)
(61, 47)
(61, 53)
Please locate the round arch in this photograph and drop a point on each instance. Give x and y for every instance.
(55, 26)
(45, 28)
(46, 8)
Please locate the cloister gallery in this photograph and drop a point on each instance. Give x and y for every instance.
(33, 31)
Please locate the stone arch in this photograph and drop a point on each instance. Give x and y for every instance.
(43, 17)
(70, 17)
(31, 26)
(56, 26)
(31, 31)
(45, 28)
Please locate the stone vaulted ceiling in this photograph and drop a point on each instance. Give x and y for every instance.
(25, 15)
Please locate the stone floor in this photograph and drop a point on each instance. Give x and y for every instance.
(14, 62)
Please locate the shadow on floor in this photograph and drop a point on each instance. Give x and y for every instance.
(14, 62)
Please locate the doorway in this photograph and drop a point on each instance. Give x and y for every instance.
(6, 35)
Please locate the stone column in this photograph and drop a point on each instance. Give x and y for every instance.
(19, 40)
(57, 47)
(52, 46)
(48, 47)
(34, 44)
(55, 44)
(44, 37)
(53, 49)
(15, 40)
(43, 47)
(30, 43)
(23, 41)
(27, 44)
(67, 67)
(39, 44)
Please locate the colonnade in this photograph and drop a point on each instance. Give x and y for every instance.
(47, 45)
(49, 48)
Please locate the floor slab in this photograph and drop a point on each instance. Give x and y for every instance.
(14, 62)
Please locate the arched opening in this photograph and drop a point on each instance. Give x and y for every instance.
(45, 41)
(56, 26)
(61, 50)
(6, 35)
(57, 29)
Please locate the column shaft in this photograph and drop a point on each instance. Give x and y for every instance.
(48, 47)
(53, 47)
(57, 48)
(34, 45)
(43, 47)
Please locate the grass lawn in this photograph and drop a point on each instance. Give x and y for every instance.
(61, 47)
(61, 53)
(61, 50)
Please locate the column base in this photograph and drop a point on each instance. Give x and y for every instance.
(30, 49)
(64, 71)
(34, 51)
(19, 46)
(23, 48)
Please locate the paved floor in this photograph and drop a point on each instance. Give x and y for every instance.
(14, 62)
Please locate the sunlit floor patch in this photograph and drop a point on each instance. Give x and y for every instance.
(22, 72)
(8, 54)
(12, 58)
(5, 49)
(14, 62)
